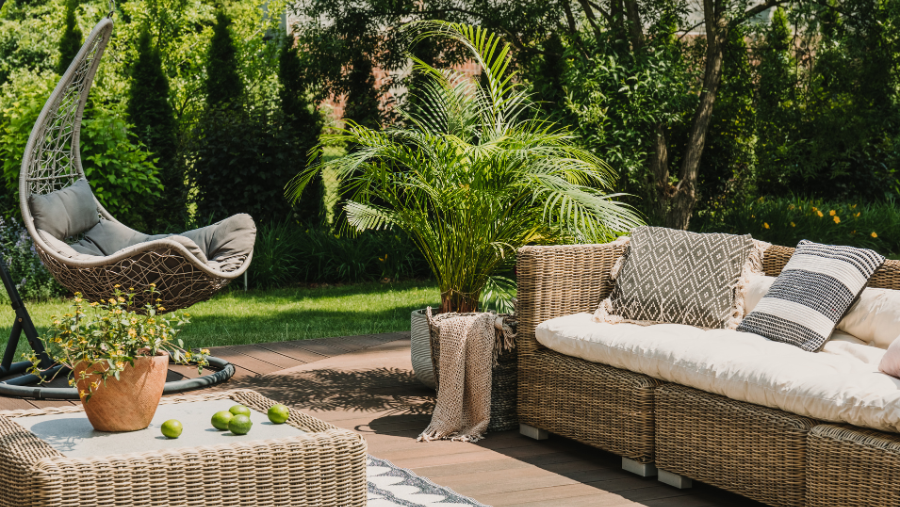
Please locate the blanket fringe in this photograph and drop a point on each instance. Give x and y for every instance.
(752, 268)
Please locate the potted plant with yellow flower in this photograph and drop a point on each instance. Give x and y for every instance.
(117, 356)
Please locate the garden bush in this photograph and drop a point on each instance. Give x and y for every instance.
(287, 253)
(33, 281)
(113, 159)
(786, 221)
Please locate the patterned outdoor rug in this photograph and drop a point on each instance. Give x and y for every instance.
(390, 486)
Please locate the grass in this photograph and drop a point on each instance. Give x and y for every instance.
(236, 317)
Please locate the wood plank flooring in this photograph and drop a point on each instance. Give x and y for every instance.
(366, 384)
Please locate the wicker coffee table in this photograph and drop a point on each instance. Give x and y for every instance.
(48, 457)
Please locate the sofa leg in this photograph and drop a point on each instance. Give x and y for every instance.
(642, 469)
(532, 432)
(675, 480)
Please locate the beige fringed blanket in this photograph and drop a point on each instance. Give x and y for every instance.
(469, 349)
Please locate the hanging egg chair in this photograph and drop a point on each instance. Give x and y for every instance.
(88, 251)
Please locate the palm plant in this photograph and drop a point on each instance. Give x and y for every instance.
(473, 174)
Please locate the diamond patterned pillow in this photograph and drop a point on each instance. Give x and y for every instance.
(680, 277)
(811, 295)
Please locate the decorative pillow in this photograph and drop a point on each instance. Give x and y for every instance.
(680, 277)
(874, 318)
(890, 362)
(65, 213)
(812, 293)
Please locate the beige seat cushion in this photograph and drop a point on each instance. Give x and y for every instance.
(839, 384)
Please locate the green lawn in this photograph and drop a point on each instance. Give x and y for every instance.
(237, 317)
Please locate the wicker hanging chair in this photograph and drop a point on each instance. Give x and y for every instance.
(52, 162)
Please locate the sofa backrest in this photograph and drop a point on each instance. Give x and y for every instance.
(887, 276)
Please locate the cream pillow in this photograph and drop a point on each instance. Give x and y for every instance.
(874, 318)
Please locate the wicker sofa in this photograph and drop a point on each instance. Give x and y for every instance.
(769, 455)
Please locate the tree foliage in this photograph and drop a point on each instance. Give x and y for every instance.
(303, 118)
(154, 123)
(70, 42)
(223, 84)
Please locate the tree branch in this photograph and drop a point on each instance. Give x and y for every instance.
(756, 9)
(592, 19)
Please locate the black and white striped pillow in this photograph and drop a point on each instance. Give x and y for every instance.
(812, 294)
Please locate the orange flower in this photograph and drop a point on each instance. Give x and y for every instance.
(832, 212)
(819, 213)
(837, 220)
(765, 225)
(874, 235)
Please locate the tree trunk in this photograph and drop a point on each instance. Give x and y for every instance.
(676, 202)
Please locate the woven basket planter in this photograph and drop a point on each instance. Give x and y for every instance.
(504, 381)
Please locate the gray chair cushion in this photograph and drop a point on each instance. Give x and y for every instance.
(222, 246)
(65, 213)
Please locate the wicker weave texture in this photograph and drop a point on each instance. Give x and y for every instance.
(52, 161)
(592, 403)
(179, 284)
(747, 449)
(325, 467)
(853, 467)
(554, 281)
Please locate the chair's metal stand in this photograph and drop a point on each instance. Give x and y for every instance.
(22, 323)
(24, 385)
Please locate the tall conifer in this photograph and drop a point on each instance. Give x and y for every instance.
(305, 122)
(70, 42)
(223, 84)
(153, 118)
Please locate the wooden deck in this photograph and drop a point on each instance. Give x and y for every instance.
(365, 383)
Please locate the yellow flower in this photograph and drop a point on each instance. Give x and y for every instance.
(130, 288)
(162, 309)
(854, 206)
(765, 225)
(204, 351)
(837, 219)
(121, 299)
(95, 303)
(82, 393)
(832, 212)
(856, 215)
(853, 231)
(112, 301)
(120, 364)
(116, 286)
(819, 213)
(153, 285)
(793, 224)
(131, 332)
(814, 208)
(791, 206)
(874, 235)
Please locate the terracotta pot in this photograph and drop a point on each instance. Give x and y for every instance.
(127, 404)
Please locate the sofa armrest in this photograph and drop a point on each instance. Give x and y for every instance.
(560, 280)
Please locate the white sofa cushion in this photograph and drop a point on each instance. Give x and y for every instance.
(839, 384)
(874, 318)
